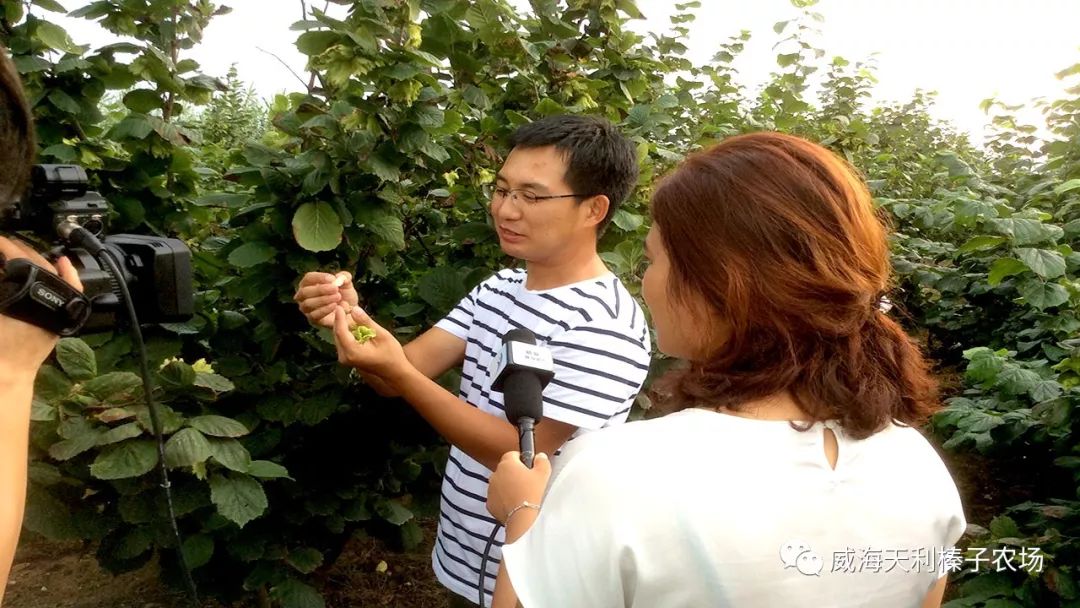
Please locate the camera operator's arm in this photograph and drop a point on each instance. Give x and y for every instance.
(432, 353)
(23, 348)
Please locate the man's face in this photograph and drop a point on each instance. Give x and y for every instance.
(539, 231)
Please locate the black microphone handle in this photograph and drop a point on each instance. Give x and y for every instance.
(527, 441)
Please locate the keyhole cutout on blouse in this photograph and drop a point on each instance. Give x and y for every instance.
(832, 449)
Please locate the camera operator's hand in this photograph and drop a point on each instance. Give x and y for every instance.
(24, 347)
(320, 293)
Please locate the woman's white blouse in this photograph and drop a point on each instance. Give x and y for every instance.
(702, 509)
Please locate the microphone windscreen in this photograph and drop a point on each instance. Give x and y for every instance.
(523, 396)
(519, 334)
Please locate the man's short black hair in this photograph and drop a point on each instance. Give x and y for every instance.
(599, 158)
(16, 133)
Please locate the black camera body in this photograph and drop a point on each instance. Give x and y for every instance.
(156, 270)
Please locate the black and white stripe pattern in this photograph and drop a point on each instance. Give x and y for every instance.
(600, 345)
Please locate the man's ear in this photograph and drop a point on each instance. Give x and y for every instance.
(596, 209)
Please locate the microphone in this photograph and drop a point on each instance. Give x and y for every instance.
(523, 369)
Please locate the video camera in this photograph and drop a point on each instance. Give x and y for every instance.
(60, 209)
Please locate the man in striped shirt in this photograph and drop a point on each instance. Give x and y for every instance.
(558, 189)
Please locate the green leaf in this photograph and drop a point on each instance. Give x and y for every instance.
(50, 5)
(984, 365)
(230, 454)
(1003, 268)
(1043, 295)
(64, 101)
(473, 232)
(1017, 380)
(170, 420)
(70, 448)
(28, 65)
(218, 426)
(305, 559)
(129, 459)
(393, 512)
(315, 42)
(267, 470)
(238, 498)
(1025, 231)
(408, 309)
(1004, 527)
(132, 127)
(387, 226)
(114, 386)
(1068, 186)
(1047, 264)
(198, 550)
(143, 101)
(76, 358)
(41, 411)
(982, 243)
(228, 200)
(51, 384)
(13, 11)
(786, 59)
(317, 227)
(412, 535)
(55, 37)
(548, 107)
(215, 382)
(252, 254)
(442, 288)
(1045, 390)
(188, 447)
(177, 374)
(120, 433)
(47, 515)
(627, 221)
(294, 594)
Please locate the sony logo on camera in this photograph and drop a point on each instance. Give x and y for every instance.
(41, 292)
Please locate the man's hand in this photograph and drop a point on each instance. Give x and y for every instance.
(381, 356)
(24, 347)
(320, 293)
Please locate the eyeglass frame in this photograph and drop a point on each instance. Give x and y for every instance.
(535, 198)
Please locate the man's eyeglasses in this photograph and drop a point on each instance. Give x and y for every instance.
(500, 194)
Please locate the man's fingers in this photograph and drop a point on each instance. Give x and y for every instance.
(309, 305)
(67, 271)
(315, 291)
(342, 331)
(324, 316)
(343, 278)
(362, 318)
(342, 335)
(316, 278)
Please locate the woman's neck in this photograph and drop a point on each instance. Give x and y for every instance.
(781, 406)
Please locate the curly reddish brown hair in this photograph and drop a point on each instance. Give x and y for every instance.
(780, 240)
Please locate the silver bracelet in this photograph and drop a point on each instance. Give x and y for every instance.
(524, 505)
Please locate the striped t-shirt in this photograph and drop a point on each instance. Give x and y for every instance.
(599, 340)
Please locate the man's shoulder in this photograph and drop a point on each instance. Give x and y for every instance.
(501, 280)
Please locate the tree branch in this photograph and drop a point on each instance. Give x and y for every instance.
(291, 71)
